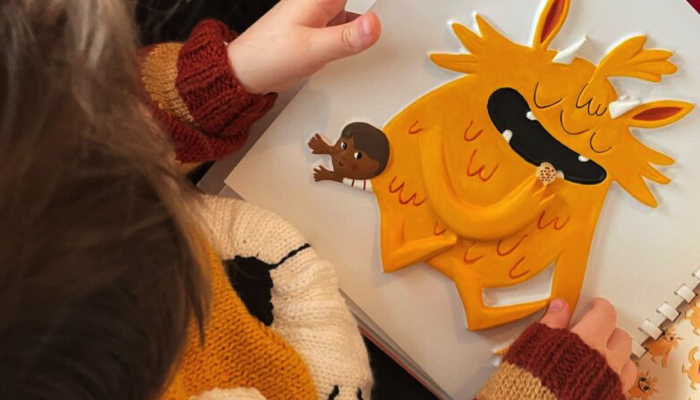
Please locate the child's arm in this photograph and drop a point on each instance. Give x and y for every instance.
(196, 96)
(323, 174)
(590, 361)
(209, 90)
(299, 297)
(319, 146)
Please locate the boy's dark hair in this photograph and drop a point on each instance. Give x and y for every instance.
(371, 140)
(99, 279)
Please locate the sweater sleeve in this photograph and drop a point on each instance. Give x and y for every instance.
(196, 96)
(552, 364)
(231, 394)
(282, 281)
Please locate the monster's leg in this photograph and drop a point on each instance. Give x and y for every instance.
(398, 253)
(520, 207)
(480, 316)
(569, 272)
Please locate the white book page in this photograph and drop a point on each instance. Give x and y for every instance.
(639, 255)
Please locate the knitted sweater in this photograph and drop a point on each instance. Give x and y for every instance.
(279, 328)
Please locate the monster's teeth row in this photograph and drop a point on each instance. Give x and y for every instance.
(508, 135)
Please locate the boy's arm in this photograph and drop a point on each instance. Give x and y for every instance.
(194, 93)
(550, 362)
(319, 146)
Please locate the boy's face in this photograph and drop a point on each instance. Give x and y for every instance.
(352, 163)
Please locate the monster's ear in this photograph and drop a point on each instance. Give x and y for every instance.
(551, 20)
(657, 114)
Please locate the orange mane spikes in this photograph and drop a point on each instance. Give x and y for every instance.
(481, 47)
(628, 59)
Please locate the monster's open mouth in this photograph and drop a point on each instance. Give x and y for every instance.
(511, 115)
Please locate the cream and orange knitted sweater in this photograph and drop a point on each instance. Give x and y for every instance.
(279, 328)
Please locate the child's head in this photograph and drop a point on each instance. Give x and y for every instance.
(98, 280)
(361, 153)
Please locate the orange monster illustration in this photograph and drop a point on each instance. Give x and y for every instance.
(693, 314)
(460, 190)
(644, 387)
(693, 371)
(662, 346)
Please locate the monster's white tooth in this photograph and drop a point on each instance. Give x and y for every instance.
(583, 159)
(531, 116)
(560, 175)
(507, 135)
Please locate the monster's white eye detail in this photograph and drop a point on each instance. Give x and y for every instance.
(358, 155)
(343, 145)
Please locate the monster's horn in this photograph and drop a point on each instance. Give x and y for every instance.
(567, 55)
(623, 105)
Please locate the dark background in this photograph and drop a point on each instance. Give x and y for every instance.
(172, 20)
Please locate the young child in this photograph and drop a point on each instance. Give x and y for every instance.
(119, 282)
(360, 154)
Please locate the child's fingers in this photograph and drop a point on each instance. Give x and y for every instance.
(619, 350)
(598, 325)
(628, 376)
(343, 18)
(558, 316)
(341, 41)
(313, 13)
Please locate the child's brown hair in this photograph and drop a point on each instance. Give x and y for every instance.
(99, 281)
(371, 140)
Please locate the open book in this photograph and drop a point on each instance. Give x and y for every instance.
(642, 258)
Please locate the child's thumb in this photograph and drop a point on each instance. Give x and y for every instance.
(558, 316)
(341, 41)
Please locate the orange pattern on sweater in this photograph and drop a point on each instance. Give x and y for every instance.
(239, 351)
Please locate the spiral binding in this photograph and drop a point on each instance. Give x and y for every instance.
(651, 328)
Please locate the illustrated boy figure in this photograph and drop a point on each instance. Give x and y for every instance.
(361, 153)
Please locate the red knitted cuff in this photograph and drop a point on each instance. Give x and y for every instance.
(565, 364)
(206, 83)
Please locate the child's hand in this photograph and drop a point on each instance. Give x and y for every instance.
(322, 174)
(319, 146)
(598, 330)
(296, 39)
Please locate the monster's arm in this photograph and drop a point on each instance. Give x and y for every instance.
(517, 209)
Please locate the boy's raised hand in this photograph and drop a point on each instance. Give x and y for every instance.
(598, 329)
(296, 39)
